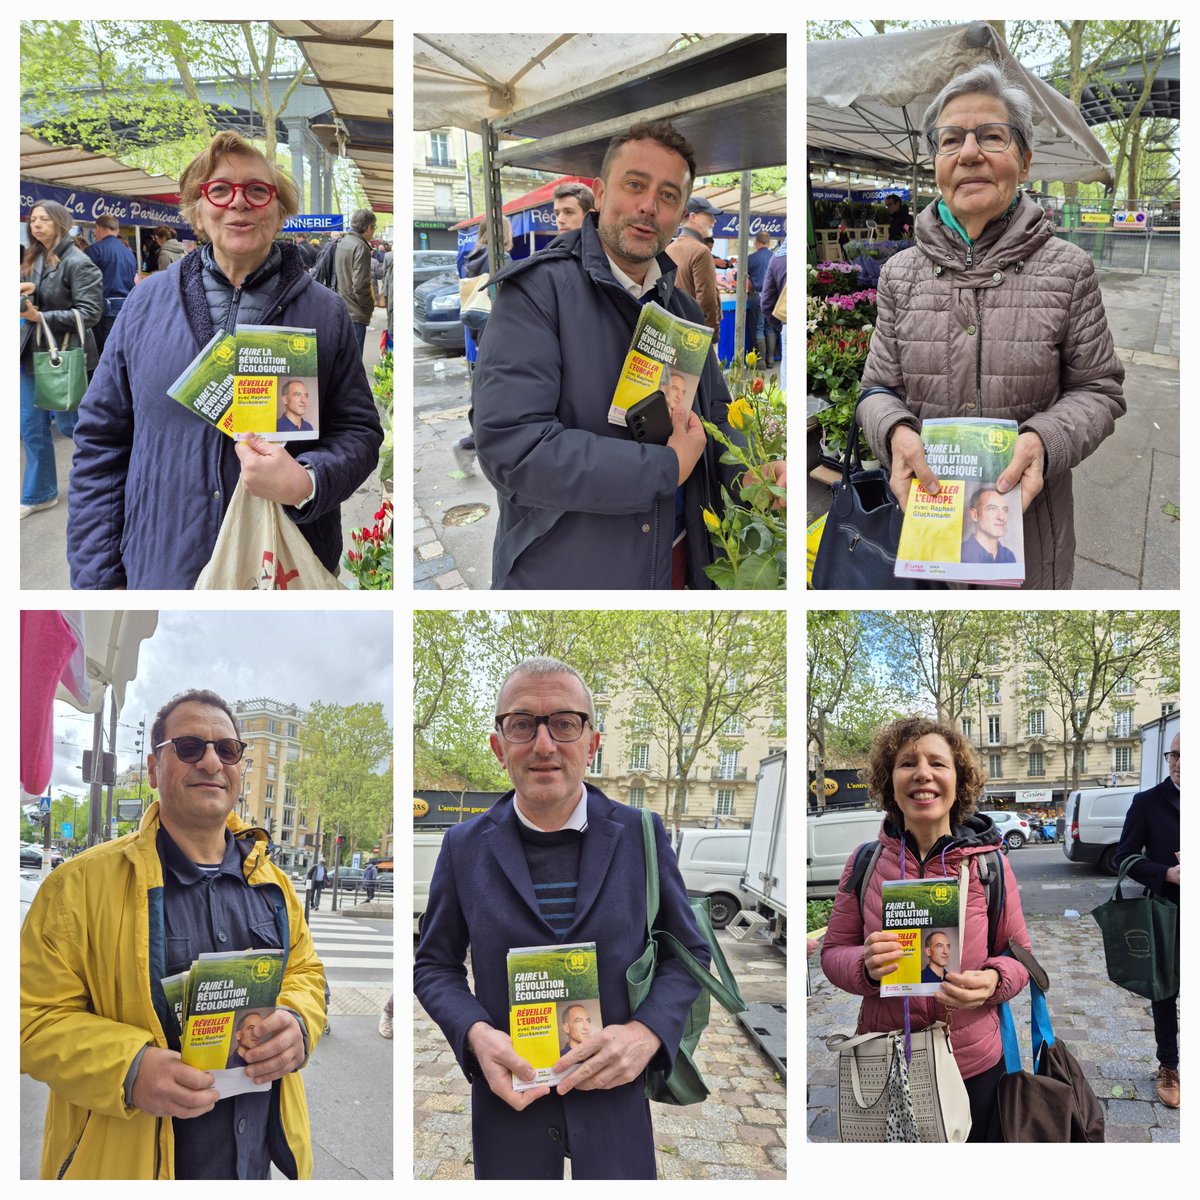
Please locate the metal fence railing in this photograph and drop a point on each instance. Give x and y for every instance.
(1143, 250)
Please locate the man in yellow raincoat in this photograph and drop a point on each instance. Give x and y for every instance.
(106, 928)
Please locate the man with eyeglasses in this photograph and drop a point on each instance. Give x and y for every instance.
(1152, 829)
(99, 939)
(554, 861)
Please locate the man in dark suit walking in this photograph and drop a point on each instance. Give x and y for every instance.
(1152, 828)
(554, 861)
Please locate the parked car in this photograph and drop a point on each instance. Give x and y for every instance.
(32, 857)
(350, 879)
(30, 882)
(435, 312)
(712, 862)
(1095, 818)
(1013, 827)
(426, 847)
(427, 264)
(834, 835)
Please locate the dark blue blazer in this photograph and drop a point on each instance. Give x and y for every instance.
(1152, 828)
(481, 898)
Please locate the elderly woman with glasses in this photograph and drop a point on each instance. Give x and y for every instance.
(991, 315)
(151, 482)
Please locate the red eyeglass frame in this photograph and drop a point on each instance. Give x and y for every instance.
(239, 187)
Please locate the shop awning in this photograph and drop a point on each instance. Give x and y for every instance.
(352, 63)
(867, 95)
(75, 167)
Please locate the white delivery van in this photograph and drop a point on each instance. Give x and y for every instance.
(426, 848)
(834, 835)
(1094, 820)
(711, 862)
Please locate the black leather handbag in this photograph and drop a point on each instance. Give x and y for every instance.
(862, 530)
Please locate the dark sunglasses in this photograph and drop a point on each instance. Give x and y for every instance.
(193, 749)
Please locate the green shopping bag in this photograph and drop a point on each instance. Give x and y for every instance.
(685, 1084)
(1141, 940)
(60, 373)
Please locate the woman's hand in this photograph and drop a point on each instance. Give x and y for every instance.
(269, 471)
(908, 459)
(881, 953)
(1029, 456)
(968, 989)
(27, 289)
(772, 472)
(31, 314)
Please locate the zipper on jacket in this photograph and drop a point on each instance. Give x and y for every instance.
(71, 1153)
(231, 320)
(978, 354)
(158, 1147)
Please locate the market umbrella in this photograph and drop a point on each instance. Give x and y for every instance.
(866, 98)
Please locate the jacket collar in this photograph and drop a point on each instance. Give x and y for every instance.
(1012, 236)
(252, 845)
(976, 835)
(503, 841)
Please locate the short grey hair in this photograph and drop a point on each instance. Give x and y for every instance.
(361, 219)
(987, 79)
(542, 666)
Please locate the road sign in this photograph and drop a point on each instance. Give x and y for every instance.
(68, 829)
(43, 806)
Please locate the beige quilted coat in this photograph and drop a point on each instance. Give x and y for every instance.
(1012, 328)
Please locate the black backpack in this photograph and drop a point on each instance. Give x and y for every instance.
(323, 269)
(991, 875)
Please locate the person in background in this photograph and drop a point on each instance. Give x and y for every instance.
(572, 202)
(57, 281)
(1152, 829)
(697, 272)
(352, 263)
(756, 271)
(774, 329)
(900, 220)
(308, 253)
(118, 266)
(170, 248)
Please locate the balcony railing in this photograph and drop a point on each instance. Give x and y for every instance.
(1115, 733)
(728, 773)
(445, 164)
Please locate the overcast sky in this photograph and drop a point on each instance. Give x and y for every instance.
(295, 658)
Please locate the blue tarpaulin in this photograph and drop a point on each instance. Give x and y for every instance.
(87, 206)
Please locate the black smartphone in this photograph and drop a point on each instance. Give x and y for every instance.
(649, 420)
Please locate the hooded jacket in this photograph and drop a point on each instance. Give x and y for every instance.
(151, 481)
(93, 952)
(1011, 327)
(975, 1032)
(583, 505)
(75, 283)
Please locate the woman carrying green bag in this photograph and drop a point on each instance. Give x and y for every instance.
(1152, 829)
(58, 281)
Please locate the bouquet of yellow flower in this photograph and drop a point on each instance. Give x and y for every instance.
(752, 535)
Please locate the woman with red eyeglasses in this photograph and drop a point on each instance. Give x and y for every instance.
(151, 482)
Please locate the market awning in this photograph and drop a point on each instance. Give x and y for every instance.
(75, 167)
(867, 95)
(352, 63)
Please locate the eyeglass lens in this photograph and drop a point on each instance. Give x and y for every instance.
(522, 727)
(222, 192)
(192, 749)
(991, 138)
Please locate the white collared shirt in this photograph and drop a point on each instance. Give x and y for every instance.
(577, 819)
(635, 289)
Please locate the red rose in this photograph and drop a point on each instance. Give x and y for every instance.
(824, 277)
(756, 386)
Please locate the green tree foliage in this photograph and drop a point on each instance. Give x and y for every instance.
(1088, 664)
(342, 774)
(99, 83)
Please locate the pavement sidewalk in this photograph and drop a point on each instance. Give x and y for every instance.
(739, 1132)
(1109, 1030)
(1127, 494)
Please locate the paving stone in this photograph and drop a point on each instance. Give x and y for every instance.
(1126, 1133)
(430, 570)
(762, 1116)
(695, 1150)
(742, 1155)
(758, 1135)
(450, 581)
(713, 1171)
(423, 536)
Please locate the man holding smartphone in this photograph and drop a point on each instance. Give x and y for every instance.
(582, 504)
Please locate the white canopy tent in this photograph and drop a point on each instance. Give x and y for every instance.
(866, 98)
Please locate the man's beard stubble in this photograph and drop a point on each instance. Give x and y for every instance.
(612, 235)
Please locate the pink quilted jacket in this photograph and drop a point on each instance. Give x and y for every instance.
(1019, 333)
(974, 1033)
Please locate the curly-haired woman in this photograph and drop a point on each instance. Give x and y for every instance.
(925, 777)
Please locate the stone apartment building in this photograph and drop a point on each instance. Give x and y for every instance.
(631, 765)
(1020, 736)
(440, 159)
(272, 731)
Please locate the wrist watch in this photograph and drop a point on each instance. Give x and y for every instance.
(312, 475)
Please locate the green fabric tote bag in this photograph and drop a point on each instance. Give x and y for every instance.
(60, 373)
(1141, 940)
(684, 1085)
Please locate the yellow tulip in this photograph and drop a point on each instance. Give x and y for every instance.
(710, 520)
